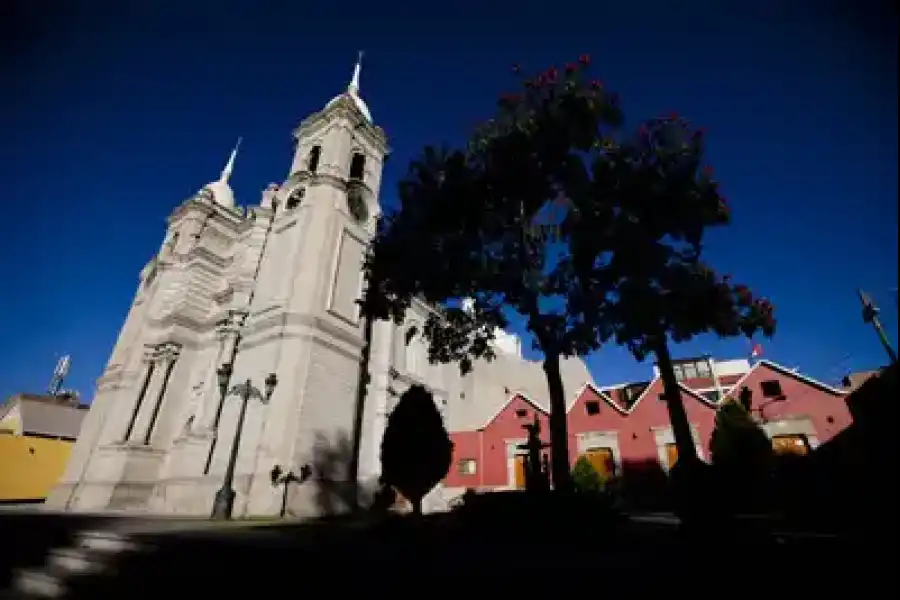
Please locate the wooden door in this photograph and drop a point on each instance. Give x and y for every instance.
(519, 471)
(671, 455)
(602, 461)
(790, 444)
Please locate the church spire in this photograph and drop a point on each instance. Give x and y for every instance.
(353, 88)
(229, 166)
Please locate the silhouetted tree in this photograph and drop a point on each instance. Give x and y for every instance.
(585, 477)
(738, 443)
(742, 456)
(416, 450)
(655, 201)
(584, 231)
(491, 221)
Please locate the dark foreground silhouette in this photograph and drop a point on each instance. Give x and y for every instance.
(515, 543)
(824, 525)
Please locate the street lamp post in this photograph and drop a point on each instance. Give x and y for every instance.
(224, 502)
(870, 315)
(286, 478)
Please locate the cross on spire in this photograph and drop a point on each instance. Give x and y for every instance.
(229, 166)
(353, 88)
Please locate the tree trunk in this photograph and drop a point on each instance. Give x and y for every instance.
(681, 428)
(559, 434)
(416, 506)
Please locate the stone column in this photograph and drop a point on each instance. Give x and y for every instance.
(165, 358)
(209, 398)
(376, 408)
(128, 402)
(228, 332)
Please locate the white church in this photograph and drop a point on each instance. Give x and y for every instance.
(264, 289)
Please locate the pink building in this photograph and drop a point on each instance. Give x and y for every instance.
(620, 427)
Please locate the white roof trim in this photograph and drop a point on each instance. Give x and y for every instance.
(789, 373)
(683, 387)
(599, 392)
(512, 396)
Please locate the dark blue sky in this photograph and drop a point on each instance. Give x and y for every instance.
(112, 117)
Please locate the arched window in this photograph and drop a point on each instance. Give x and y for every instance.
(357, 166)
(313, 162)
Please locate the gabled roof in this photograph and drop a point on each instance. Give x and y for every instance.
(482, 419)
(781, 369)
(683, 387)
(489, 389)
(509, 401)
(602, 393)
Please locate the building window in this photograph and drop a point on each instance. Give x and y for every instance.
(790, 444)
(712, 396)
(314, 155)
(521, 413)
(592, 407)
(671, 451)
(468, 466)
(630, 394)
(771, 389)
(357, 166)
(690, 371)
(662, 397)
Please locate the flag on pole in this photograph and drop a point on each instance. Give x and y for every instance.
(757, 351)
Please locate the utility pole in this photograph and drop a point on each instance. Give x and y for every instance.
(870, 315)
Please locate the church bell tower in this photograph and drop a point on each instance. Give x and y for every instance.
(304, 322)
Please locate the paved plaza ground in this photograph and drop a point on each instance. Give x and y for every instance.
(642, 552)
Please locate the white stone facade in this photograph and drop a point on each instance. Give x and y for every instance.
(268, 289)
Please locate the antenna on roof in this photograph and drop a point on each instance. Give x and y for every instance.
(59, 375)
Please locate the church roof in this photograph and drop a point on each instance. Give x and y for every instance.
(222, 194)
(220, 190)
(357, 101)
(352, 93)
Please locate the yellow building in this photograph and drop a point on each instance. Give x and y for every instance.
(36, 438)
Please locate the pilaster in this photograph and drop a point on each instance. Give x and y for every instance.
(164, 361)
(376, 405)
(228, 332)
(128, 400)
